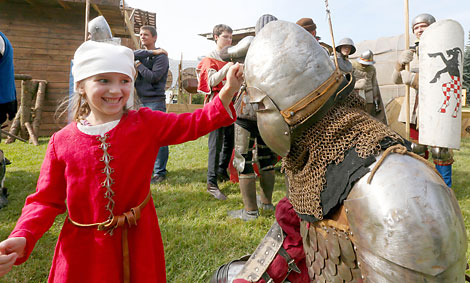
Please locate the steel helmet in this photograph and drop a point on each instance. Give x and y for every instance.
(422, 18)
(366, 58)
(292, 80)
(346, 41)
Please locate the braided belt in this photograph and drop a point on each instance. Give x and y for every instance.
(130, 217)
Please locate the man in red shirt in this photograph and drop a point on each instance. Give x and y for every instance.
(211, 72)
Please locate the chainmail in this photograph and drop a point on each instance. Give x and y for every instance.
(343, 127)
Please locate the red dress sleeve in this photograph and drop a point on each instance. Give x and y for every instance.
(171, 128)
(42, 207)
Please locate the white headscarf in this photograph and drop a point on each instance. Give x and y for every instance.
(93, 58)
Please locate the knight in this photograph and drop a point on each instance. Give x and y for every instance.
(442, 156)
(355, 219)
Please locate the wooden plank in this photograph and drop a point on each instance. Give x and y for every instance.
(183, 108)
(64, 5)
(130, 28)
(115, 3)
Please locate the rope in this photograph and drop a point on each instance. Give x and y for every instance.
(400, 149)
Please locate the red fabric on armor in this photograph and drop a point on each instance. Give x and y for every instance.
(290, 224)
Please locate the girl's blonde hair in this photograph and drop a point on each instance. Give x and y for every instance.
(75, 107)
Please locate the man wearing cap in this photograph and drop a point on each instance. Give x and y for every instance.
(442, 157)
(152, 67)
(367, 85)
(311, 27)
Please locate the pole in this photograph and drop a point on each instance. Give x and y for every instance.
(87, 16)
(407, 67)
(331, 32)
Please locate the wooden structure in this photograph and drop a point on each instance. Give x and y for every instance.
(237, 34)
(45, 35)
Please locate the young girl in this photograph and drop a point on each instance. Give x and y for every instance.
(98, 170)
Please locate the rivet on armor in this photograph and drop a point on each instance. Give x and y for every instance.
(249, 277)
(291, 113)
(286, 133)
(274, 244)
(359, 264)
(347, 210)
(362, 276)
(256, 269)
(262, 261)
(267, 253)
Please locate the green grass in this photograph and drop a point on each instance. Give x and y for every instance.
(197, 235)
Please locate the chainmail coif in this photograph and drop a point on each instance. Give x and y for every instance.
(345, 126)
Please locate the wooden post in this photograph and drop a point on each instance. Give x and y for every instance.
(38, 106)
(87, 16)
(180, 81)
(407, 67)
(130, 26)
(32, 137)
(27, 90)
(14, 129)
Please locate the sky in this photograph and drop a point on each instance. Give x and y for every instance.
(180, 21)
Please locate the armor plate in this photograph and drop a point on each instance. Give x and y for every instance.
(264, 254)
(440, 84)
(414, 229)
(99, 29)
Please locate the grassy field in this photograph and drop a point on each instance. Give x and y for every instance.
(197, 235)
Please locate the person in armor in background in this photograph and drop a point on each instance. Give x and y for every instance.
(311, 27)
(366, 83)
(442, 157)
(246, 136)
(344, 49)
(8, 103)
(342, 164)
(152, 66)
(211, 72)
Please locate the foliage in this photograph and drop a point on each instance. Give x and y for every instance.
(466, 69)
(197, 234)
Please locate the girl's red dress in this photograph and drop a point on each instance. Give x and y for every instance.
(72, 178)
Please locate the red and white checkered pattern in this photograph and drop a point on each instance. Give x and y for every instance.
(454, 87)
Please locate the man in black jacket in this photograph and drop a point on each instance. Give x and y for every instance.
(152, 67)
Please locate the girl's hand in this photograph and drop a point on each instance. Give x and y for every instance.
(234, 80)
(10, 250)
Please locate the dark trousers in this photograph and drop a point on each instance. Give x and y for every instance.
(220, 152)
(159, 168)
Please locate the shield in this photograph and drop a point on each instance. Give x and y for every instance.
(190, 80)
(440, 84)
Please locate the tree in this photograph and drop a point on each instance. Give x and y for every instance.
(466, 69)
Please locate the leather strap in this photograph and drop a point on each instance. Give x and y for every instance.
(130, 217)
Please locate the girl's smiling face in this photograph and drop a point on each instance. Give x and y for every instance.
(106, 94)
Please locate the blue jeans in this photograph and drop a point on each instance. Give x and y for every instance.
(162, 157)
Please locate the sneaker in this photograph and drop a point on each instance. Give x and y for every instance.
(214, 190)
(157, 179)
(243, 214)
(264, 206)
(223, 177)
